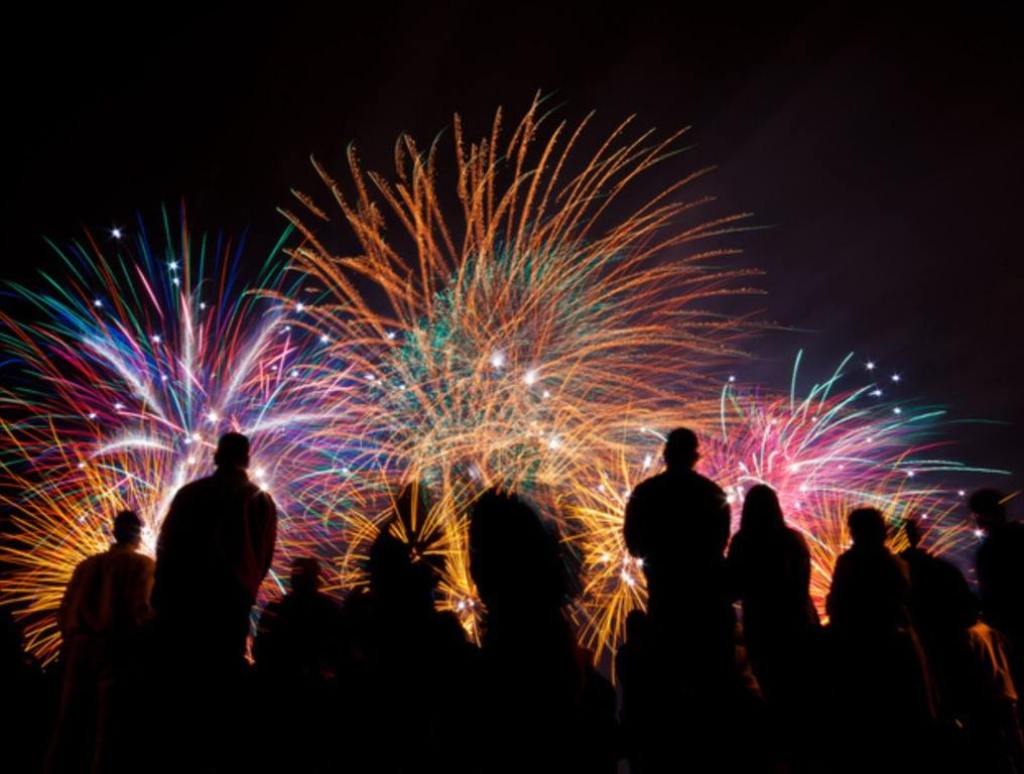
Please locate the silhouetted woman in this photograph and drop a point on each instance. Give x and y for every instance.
(771, 569)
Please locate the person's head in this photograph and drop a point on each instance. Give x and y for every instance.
(514, 560)
(867, 527)
(989, 508)
(305, 575)
(232, 451)
(397, 581)
(761, 510)
(681, 449)
(127, 528)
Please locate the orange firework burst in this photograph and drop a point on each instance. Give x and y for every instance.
(514, 338)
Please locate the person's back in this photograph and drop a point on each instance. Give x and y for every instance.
(300, 636)
(102, 619)
(298, 649)
(770, 570)
(544, 709)
(870, 586)
(214, 549)
(677, 522)
(1000, 568)
(413, 660)
(881, 679)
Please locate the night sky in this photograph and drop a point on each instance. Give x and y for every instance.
(882, 152)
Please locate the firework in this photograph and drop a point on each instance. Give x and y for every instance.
(130, 366)
(543, 321)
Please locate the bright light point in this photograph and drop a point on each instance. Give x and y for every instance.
(212, 416)
(605, 557)
(97, 303)
(978, 533)
(346, 471)
(172, 265)
(391, 335)
(546, 394)
(176, 281)
(555, 442)
(81, 465)
(118, 406)
(156, 338)
(530, 377)
(895, 377)
(648, 461)
(258, 472)
(794, 468)
(897, 410)
(961, 493)
(191, 460)
(300, 307)
(371, 378)
(498, 359)
(870, 365)
(640, 563)
(92, 415)
(196, 436)
(295, 372)
(876, 393)
(325, 339)
(163, 377)
(202, 305)
(732, 378)
(116, 233)
(910, 474)
(626, 493)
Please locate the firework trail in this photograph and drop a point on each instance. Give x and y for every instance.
(132, 363)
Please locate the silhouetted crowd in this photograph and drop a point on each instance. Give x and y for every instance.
(728, 670)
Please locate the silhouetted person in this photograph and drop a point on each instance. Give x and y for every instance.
(214, 549)
(102, 618)
(300, 641)
(967, 659)
(677, 522)
(23, 702)
(1000, 567)
(408, 689)
(543, 706)
(881, 681)
(770, 570)
(636, 678)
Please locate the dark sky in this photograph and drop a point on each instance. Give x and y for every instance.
(883, 149)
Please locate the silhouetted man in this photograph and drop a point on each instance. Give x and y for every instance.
(1000, 565)
(881, 679)
(214, 550)
(677, 522)
(101, 619)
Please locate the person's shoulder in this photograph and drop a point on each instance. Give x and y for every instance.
(90, 563)
(194, 488)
